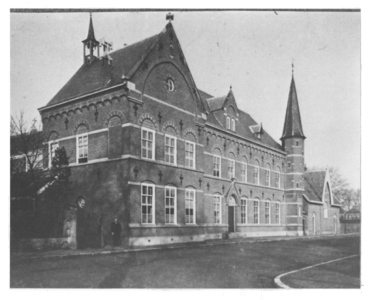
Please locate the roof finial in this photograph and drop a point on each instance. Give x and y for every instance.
(231, 87)
(293, 66)
(169, 17)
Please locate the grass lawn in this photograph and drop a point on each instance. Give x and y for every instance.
(248, 265)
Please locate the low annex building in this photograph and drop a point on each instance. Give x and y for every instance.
(174, 163)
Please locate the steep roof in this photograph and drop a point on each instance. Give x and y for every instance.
(98, 75)
(292, 124)
(314, 182)
(216, 103)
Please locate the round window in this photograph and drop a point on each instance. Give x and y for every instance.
(170, 85)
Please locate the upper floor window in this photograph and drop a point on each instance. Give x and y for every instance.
(216, 166)
(52, 147)
(147, 203)
(244, 172)
(227, 122)
(217, 209)
(190, 206)
(170, 150)
(277, 179)
(82, 148)
(256, 172)
(231, 168)
(267, 178)
(233, 124)
(170, 205)
(243, 210)
(189, 154)
(147, 143)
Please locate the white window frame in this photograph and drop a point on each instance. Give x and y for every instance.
(267, 212)
(217, 158)
(267, 177)
(146, 204)
(243, 206)
(194, 156)
(277, 180)
(244, 169)
(227, 122)
(187, 198)
(170, 188)
(231, 165)
(82, 135)
(277, 213)
(254, 211)
(256, 171)
(232, 124)
(51, 152)
(299, 211)
(146, 149)
(217, 203)
(170, 137)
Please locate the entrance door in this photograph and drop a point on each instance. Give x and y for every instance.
(231, 219)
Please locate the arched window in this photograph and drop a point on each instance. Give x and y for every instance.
(82, 144)
(147, 203)
(256, 171)
(216, 162)
(217, 200)
(170, 205)
(232, 124)
(243, 210)
(148, 140)
(190, 206)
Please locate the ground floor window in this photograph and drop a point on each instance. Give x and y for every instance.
(147, 203)
(170, 205)
(267, 212)
(277, 213)
(255, 212)
(189, 206)
(217, 209)
(243, 211)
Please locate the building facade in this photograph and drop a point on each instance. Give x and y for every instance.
(171, 162)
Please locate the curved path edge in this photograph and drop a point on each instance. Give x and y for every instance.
(280, 284)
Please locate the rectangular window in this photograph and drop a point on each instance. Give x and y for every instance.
(255, 212)
(243, 211)
(52, 147)
(82, 148)
(299, 211)
(147, 143)
(277, 180)
(233, 124)
(170, 150)
(190, 154)
(170, 205)
(190, 206)
(267, 178)
(325, 213)
(217, 209)
(244, 173)
(267, 212)
(256, 175)
(147, 204)
(227, 122)
(216, 166)
(277, 213)
(231, 168)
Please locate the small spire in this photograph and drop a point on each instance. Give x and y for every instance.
(91, 34)
(231, 87)
(293, 67)
(169, 17)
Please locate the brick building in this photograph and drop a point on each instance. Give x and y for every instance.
(174, 163)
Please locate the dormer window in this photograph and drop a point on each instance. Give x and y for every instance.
(233, 124)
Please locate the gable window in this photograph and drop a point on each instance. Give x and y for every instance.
(170, 85)
(189, 154)
(217, 209)
(244, 173)
(189, 206)
(243, 211)
(147, 203)
(233, 124)
(277, 213)
(255, 212)
(52, 147)
(267, 178)
(170, 150)
(216, 166)
(170, 205)
(82, 148)
(267, 212)
(227, 122)
(231, 168)
(277, 180)
(147, 143)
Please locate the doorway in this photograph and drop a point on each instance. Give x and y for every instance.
(231, 218)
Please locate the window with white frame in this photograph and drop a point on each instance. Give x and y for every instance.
(189, 206)
(216, 166)
(233, 124)
(299, 211)
(277, 213)
(217, 209)
(277, 180)
(147, 203)
(231, 168)
(189, 154)
(170, 205)
(267, 212)
(170, 150)
(52, 147)
(82, 148)
(147, 143)
(244, 172)
(227, 122)
(255, 212)
(243, 211)
(267, 178)
(256, 175)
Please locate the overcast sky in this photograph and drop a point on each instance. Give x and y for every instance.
(252, 51)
